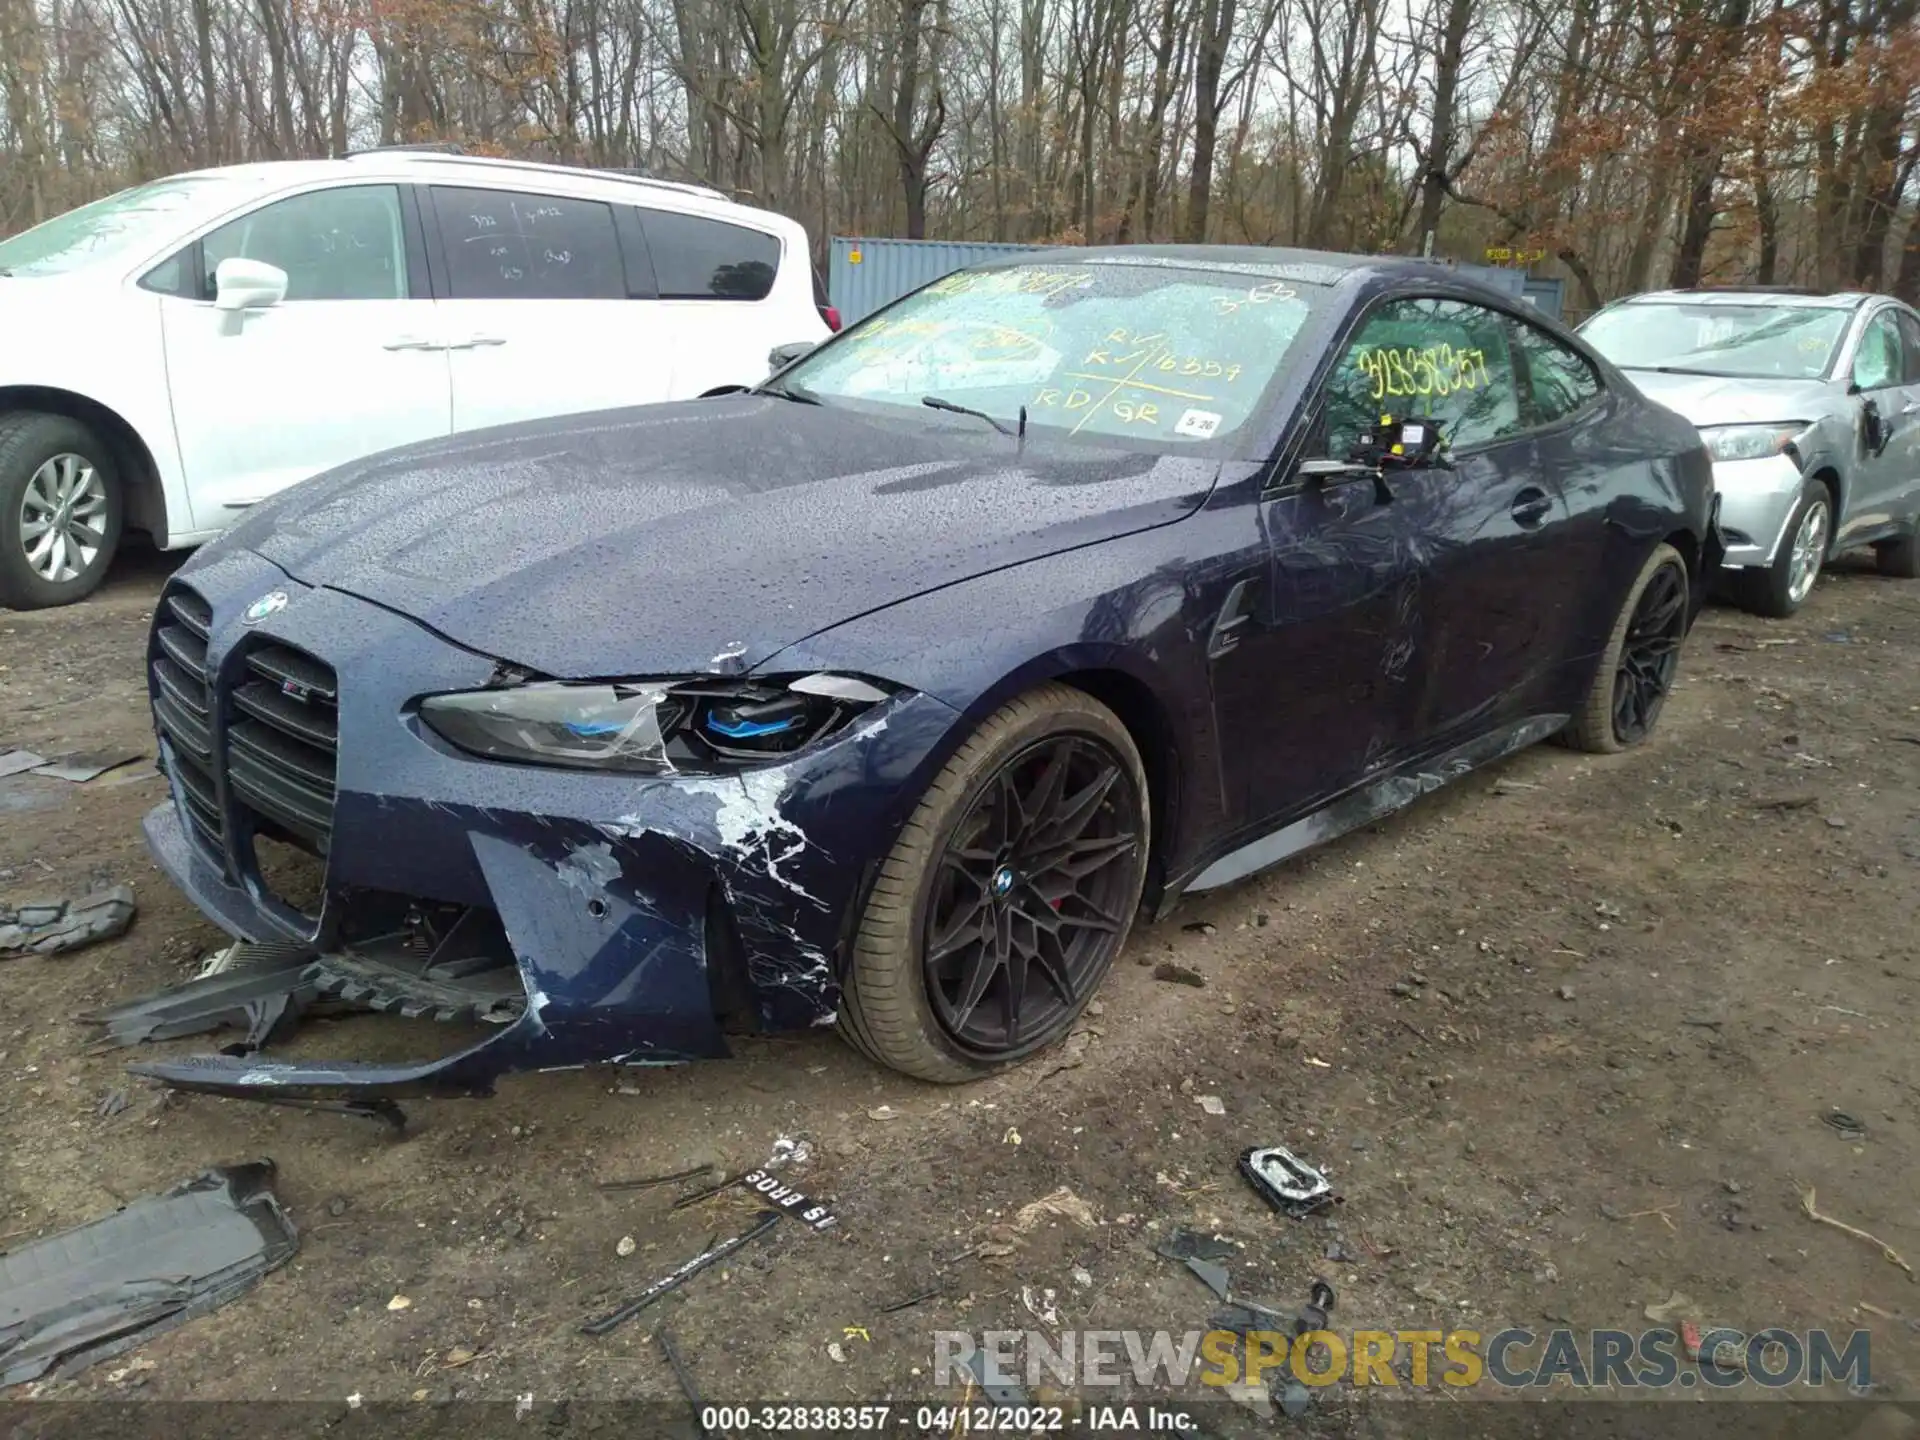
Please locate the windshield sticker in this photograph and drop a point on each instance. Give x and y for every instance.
(1431, 370)
(1198, 423)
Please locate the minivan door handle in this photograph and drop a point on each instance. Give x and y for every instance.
(1530, 507)
(474, 342)
(410, 342)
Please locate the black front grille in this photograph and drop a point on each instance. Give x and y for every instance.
(281, 731)
(183, 709)
(282, 739)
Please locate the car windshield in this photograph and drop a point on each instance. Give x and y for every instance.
(98, 231)
(1757, 341)
(1159, 353)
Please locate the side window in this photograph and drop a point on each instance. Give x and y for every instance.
(1442, 359)
(505, 245)
(1910, 342)
(1877, 363)
(174, 276)
(1556, 380)
(699, 259)
(344, 244)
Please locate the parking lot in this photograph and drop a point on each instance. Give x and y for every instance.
(1565, 1036)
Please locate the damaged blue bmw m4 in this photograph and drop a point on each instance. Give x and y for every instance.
(886, 695)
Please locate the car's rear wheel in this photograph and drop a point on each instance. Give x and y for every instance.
(1781, 588)
(1010, 890)
(1636, 672)
(60, 511)
(1899, 558)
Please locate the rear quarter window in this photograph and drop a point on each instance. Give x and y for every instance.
(695, 258)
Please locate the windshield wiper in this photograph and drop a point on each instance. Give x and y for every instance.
(936, 403)
(789, 391)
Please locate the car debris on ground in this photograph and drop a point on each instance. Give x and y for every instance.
(56, 926)
(79, 769)
(1286, 1182)
(102, 1288)
(666, 1284)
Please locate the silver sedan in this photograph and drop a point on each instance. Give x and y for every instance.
(1810, 406)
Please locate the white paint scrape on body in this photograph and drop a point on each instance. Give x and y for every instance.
(589, 869)
(751, 826)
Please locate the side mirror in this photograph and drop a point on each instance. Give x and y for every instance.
(248, 285)
(782, 356)
(1325, 474)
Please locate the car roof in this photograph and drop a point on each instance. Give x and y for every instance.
(1323, 267)
(1753, 295)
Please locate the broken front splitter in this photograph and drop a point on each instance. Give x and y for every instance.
(267, 989)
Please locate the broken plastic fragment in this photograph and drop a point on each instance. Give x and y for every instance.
(839, 687)
(66, 924)
(103, 1288)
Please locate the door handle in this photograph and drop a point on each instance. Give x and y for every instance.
(1912, 407)
(409, 342)
(1530, 507)
(474, 342)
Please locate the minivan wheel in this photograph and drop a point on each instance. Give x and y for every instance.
(1635, 675)
(1783, 587)
(60, 511)
(1010, 890)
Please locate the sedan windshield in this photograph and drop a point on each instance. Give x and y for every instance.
(1757, 341)
(1160, 353)
(98, 231)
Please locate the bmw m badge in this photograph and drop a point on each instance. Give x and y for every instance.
(271, 603)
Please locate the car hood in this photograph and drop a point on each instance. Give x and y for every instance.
(1720, 400)
(703, 535)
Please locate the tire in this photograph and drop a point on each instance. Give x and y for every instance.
(1899, 558)
(1596, 726)
(40, 454)
(892, 1009)
(1772, 591)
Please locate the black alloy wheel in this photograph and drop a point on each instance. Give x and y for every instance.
(1032, 896)
(1650, 654)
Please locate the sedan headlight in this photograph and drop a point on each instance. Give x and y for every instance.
(649, 727)
(1749, 442)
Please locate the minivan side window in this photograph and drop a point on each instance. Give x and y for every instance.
(341, 244)
(1445, 360)
(510, 245)
(1877, 363)
(1559, 381)
(699, 259)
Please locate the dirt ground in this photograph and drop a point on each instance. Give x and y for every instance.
(1565, 1036)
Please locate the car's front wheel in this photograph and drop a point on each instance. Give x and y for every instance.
(60, 510)
(1007, 895)
(1630, 687)
(1781, 588)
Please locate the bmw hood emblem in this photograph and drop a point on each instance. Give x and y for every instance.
(271, 603)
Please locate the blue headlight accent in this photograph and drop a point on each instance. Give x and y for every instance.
(751, 729)
(595, 727)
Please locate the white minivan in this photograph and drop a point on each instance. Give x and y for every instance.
(176, 352)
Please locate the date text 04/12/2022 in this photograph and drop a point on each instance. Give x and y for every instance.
(944, 1419)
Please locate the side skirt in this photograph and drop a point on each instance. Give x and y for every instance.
(1371, 800)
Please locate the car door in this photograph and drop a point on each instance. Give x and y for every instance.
(1489, 521)
(343, 366)
(1883, 473)
(540, 312)
(1906, 504)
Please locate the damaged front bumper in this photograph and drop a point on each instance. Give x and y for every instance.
(592, 917)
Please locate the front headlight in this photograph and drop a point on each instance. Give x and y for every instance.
(649, 727)
(1749, 442)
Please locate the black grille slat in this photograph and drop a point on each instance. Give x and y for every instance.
(279, 799)
(187, 691)
(313, 724)
(189, 734)
(191, 611)
(297, 762)
(185, 649)
(284, 667)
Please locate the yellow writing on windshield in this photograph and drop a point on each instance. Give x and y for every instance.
(1138, 352)
(1044, 283)
(1265, 294)
(1422, 370)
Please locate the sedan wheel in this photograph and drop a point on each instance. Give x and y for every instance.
(1006, 898)
(59, 511)
(1630, 686)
